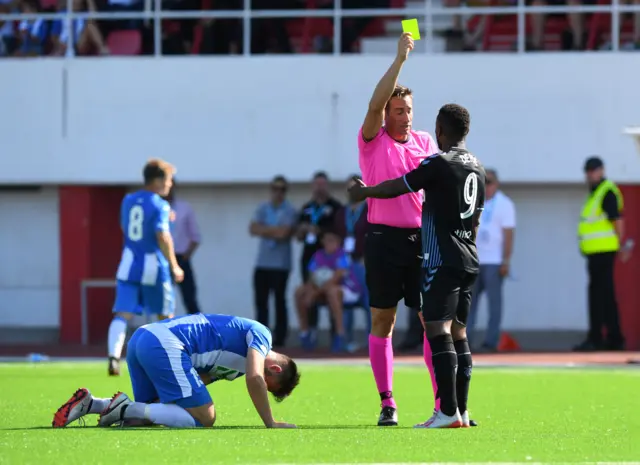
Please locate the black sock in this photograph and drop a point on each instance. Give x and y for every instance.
(463, 377)
(445, 363)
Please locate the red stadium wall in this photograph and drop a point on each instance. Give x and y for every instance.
(627, 282)
(90, 247)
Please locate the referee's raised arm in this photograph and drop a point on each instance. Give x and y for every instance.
(383, 91)
(388, 148)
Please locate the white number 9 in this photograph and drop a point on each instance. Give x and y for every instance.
(470, 193)
(136, 217)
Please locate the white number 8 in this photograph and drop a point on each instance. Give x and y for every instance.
(136, 217)
(470, 193)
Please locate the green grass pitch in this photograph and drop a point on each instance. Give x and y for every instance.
(525, 415)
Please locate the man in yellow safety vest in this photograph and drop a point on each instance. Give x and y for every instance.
(600, 234)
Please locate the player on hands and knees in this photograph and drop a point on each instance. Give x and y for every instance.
(148, 257)
(171, 362)
(454, 192)
(389, 147)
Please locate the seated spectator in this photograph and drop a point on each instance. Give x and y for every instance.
(634, 44)
(8, 39)
(331, 281)
(574, 38)
(32, 32)
(87, 38)
(459, 38)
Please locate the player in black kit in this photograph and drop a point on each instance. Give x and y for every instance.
(454, 192)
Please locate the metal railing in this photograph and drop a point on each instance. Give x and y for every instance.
(153, 11)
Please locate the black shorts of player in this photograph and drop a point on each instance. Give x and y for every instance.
(392, 258)
(446, 294)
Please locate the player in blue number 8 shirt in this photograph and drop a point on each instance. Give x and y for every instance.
(171, 362)
(148, 257)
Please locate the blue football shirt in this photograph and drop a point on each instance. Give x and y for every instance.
(218, 344)
(142, 215)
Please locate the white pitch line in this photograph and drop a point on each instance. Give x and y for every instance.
(477, 463)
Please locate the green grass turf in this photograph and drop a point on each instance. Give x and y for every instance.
(535, 415)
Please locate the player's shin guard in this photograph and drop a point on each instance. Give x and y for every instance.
(463, 377)
(445, 363)
(116, 337)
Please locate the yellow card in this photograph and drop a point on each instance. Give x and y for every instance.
(411, 25)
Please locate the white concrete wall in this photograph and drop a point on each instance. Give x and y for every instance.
(549, 292)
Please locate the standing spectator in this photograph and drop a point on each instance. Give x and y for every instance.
(319, 212)
(495, 246)
(186, 236)
(600, 232)
(352, 225)
(273, 223)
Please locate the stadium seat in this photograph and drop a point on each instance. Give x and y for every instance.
(48, 4)
(125, 42)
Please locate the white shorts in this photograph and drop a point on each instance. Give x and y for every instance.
(348, 296)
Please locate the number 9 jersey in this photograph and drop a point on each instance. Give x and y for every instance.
(454, 195)
(143, 274)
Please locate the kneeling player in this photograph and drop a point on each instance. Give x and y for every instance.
(171, 361)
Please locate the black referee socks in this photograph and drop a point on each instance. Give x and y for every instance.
(463, 377)
(445, 363)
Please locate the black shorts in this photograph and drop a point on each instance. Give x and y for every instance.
(446, 294)
(392, 261)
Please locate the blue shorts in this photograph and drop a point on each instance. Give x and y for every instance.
(134, 297)
(159, 368)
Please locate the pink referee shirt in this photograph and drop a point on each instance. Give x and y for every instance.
(384, 158)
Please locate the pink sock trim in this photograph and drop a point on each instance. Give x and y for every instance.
(381, 357)
(426, 352)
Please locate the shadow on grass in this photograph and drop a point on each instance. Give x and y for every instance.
(161, 428)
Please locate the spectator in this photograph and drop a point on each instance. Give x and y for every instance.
(331, 281)
(458, 37)
(573, 38)
(32, 32)
(87, 38)
(319, 212)
(634, 44)
(8, 39)
(351, 225)
(273, 223)
(495, 245)
(186, 239)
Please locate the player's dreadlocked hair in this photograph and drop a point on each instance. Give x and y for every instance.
(401, 92)
(289, 379)
(454, 120)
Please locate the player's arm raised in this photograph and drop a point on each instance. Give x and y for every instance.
(257, 387)
(165, 242)
(384, 90)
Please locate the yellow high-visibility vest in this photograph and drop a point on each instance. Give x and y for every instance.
(596, 232)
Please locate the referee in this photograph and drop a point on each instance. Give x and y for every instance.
(600, 233)
(453, 183)
(389, 148)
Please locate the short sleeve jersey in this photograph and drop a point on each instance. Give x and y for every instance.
(454, 195)
(319, 215)
(142, 215)
(218, 345)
